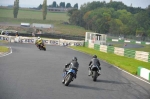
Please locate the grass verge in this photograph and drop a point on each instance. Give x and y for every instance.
(128, 64)
(4, 49)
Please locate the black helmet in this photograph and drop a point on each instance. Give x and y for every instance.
(74, 59)
(94, 56)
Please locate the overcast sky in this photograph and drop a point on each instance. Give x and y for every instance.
(35, 3)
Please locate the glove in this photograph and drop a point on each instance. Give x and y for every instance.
(89, 67)
(64, 70)
(99, 68)
(66, 66)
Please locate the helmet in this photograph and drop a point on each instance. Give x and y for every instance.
(38, 37)
(74, 58)
(94, 56)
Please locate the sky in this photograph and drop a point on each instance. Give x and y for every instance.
(36, 3)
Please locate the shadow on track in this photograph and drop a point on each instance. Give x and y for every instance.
(113, 82)
(83, 87)
(87, 87)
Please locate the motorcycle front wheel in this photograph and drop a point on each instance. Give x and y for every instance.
(68, 79)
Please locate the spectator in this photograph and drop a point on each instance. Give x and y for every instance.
(33, 34)
(2, 33)
(6, 33)
(17, 34)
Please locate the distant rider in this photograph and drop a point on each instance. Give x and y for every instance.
(71, 65)
(39, 41)
(94, 61)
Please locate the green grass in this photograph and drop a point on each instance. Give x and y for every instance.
(34, 16)
(4, 49)
(125, 63)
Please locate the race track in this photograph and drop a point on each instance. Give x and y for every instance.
(29, 73)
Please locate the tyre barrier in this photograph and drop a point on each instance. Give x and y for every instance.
(144, 73)
(138, 55)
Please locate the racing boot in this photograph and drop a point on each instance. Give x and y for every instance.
(89, 73)
(63, 81)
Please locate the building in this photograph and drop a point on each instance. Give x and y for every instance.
(59, 9)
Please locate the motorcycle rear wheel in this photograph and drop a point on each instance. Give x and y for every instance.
(95, 75)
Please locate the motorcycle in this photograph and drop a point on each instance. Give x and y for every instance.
(69, 76)
(42, 47)
(94, 72)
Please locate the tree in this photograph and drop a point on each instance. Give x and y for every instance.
(68, 5)
(75, 17)
(39, 7)
(116, 5)
(62, 4)
(16, 8)
(124, 16)
(76, 5)
(54, 4)
(87, 20)
(115, 26)
(44, 9)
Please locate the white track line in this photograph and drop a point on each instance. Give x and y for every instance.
(5, 54)
(120, 69)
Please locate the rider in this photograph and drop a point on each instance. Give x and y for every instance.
(71, 65)
(94, 61)
(39, 41)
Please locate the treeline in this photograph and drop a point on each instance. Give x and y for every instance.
(114, 18)
(61, 5)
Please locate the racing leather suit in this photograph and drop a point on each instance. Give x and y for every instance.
(73, 65)
(94, 61)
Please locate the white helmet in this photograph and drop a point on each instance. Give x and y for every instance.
(38, 37)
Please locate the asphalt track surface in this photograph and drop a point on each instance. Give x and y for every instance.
(29, 73)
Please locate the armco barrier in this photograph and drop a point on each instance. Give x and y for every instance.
(144, 73)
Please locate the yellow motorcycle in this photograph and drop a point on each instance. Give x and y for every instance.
(42, 47)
